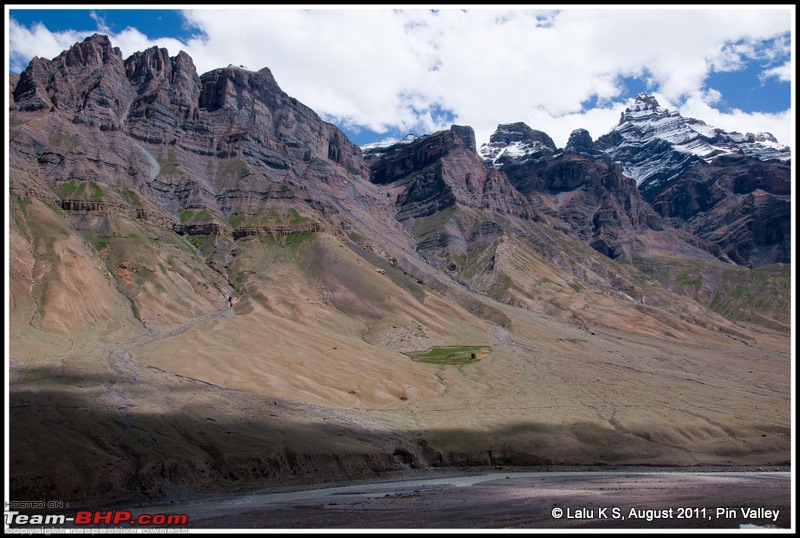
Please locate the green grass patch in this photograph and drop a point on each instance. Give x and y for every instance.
(577, 287)
(235, 220)
(295, 218)
(356, 238)
(131, 197)
(199, 241)
(291, 241)
(426, 225)
(232, 169)
(269, 217)
(170, 166)
(185, 214)
(277, 247)
(685, 279)
(68, 189)
(97, 241)
(22, 203)
(61, 140)
(476, 259)
(189, 214)
(452, 354)
(97, 192)
(500, 287)
(75, 189)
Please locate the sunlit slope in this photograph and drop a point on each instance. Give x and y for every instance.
(315, 322)
(306, 377)
(553, 274)
(553, 392)
(581, 375)
(61, 295)
(159, 271)
(758, 297)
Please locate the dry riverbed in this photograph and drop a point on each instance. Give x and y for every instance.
(501, 499)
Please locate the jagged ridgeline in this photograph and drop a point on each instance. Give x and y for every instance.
(213, 288)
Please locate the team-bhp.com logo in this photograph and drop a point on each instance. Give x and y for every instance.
(95, 517)
(123, 517)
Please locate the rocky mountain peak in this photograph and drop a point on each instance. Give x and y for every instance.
(95, 50)
(709, 178)
(86, 83)
(376, 149)
(151, 63)
(653, 144)
(580, 141)
(644, 99)
(515, 141)
(266, 73)
(645, 107)
(466, 134)
(761, 137)
(520, 132)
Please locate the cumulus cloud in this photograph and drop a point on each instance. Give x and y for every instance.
(27, 43)
(782, 73)
(418, 70)
(778, 124)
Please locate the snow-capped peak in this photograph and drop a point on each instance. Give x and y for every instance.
(377, 148)
(645, 128)
(514, 142)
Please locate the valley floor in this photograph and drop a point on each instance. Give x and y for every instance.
(632, 498)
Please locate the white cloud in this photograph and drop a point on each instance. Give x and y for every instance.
(101, 23)
(382, 68)
(27, 43)
(779, 124)
(782, 72)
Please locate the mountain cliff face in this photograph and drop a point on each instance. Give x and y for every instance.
(440, 170)
(654, 145)
(583, 189)
(738, 203)
(706, 180)
(207, 142)
(228, 155)
(697, 178)
(211, 287)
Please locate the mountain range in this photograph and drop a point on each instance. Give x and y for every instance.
(212, 288)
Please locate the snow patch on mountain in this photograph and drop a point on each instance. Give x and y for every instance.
(515, 142)
(496, 152)
(646, 130)
(378, 148)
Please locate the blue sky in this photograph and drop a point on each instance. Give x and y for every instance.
(381, 73)
(154, 23)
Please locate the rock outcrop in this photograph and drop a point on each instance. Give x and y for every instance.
(695, 174)
(738, 203)
(151, 125)
(440, 170)
(580, 141)
(591, 196)
(515, 142)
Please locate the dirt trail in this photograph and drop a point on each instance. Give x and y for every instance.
(119, 359)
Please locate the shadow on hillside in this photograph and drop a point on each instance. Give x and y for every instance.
(97, 439)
